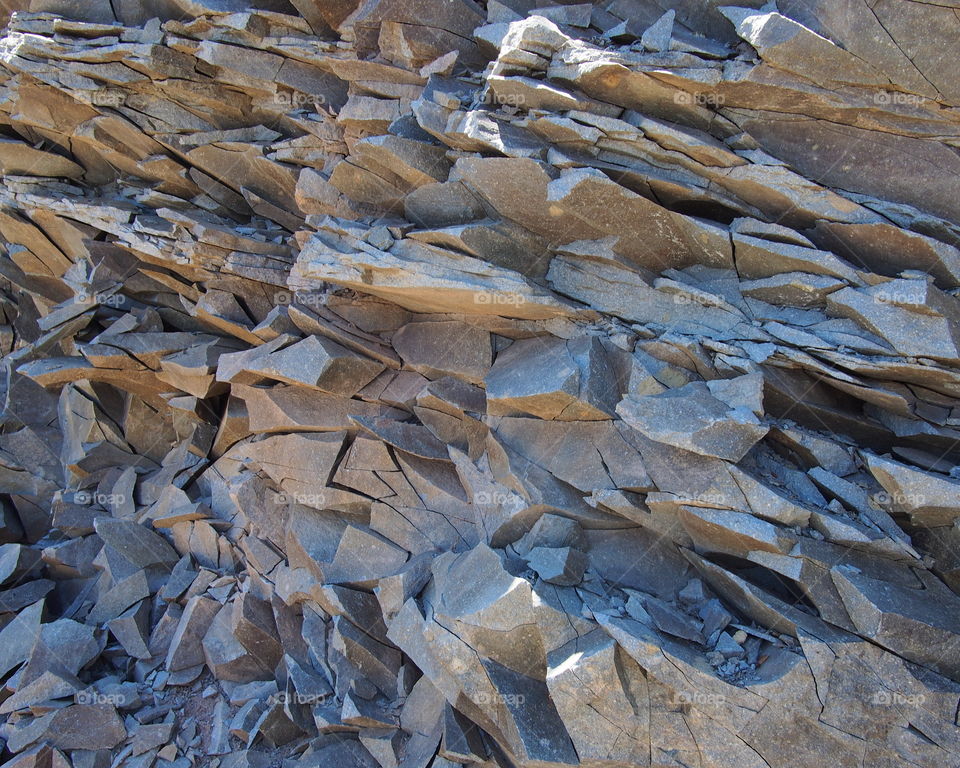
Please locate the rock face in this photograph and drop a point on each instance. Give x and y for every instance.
(440, 384)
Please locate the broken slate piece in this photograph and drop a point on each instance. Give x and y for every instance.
(563, 566)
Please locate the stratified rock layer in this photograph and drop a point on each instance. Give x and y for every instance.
(433, 384)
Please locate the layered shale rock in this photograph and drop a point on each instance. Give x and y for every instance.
(442, 383)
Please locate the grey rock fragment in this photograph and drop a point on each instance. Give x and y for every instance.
(186, 648)
(920, 625)
(927, 499)
(321, 363)
(564, 566)
(657, 36)
(691, 417)
(445, 349)
(551, 379)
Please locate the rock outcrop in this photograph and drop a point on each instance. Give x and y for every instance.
(443, 383)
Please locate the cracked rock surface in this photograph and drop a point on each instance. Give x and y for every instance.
(442, 383)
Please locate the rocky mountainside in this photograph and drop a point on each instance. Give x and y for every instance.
(438, 383)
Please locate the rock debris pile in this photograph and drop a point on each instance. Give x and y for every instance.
(431, 383)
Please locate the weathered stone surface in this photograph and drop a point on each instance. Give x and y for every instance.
(558, 566)
(84, 726)
(430, 384)
(445, 349)
(136, 544)
(186, 648)
(920, 625)
(702, 418)
(587, 455)
(284, 409)
(599, 689)
(928, 499)
(420, 278)
(316, 362)
(785, 44)
(132, 630)
(552, 379)
(226, 656)
(300, 464)
(901, 313)
(17, 563)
